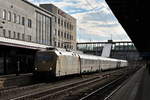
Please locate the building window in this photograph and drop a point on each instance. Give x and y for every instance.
(14, 18)
(29, 23)
(4, 32)
(29, 38)
(55, 32)
(14, 35)
(58, 44)
(9, 33)
(58, 33)
(18, 36)
(62, 34)
(4, 14)
(55, 19)
(23, 21)
(59, 21)
(62, 45)
(65, 35)
(9, 16)
(23, 37)
(68, 36)
(18, 19)
(55, 43)
(65, 24)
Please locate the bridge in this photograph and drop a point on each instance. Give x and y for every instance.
(120, 49)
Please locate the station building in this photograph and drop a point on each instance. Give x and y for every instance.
(65, 27)
(24, 29)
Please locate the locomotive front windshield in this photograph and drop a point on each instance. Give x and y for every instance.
(44, 57)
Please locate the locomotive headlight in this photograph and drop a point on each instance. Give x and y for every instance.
(50, 68)
(36, 68)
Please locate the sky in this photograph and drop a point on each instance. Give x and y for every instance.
(95, 20)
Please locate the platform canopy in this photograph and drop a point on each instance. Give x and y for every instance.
(22, 44)
(133, 16)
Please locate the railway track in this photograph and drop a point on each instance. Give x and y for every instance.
(105, 92)
(64, 90)
(101, 91)
(61, 89)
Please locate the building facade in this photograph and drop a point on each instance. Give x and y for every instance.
(65, 27)
(24, 21)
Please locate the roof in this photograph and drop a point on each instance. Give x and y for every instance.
(40, 8)
(21, 44)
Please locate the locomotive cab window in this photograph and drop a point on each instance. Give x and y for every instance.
(45, 56)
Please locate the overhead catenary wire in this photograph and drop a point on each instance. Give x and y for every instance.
(110, 13)
(95, 9)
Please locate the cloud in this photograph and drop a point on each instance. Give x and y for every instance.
(95, 20)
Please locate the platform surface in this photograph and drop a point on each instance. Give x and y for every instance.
(136, 88)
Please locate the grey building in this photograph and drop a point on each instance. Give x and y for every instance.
(65, 27)
(22, 20)
(46, 25)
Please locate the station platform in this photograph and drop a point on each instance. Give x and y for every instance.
(15, 80)
(136, 87)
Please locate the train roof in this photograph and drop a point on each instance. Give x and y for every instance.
(62, 52)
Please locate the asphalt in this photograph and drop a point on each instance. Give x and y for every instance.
(136, 88)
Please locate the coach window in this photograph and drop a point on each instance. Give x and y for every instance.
(4, 14)
(9, 16)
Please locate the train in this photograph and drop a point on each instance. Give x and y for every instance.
(57, 63)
